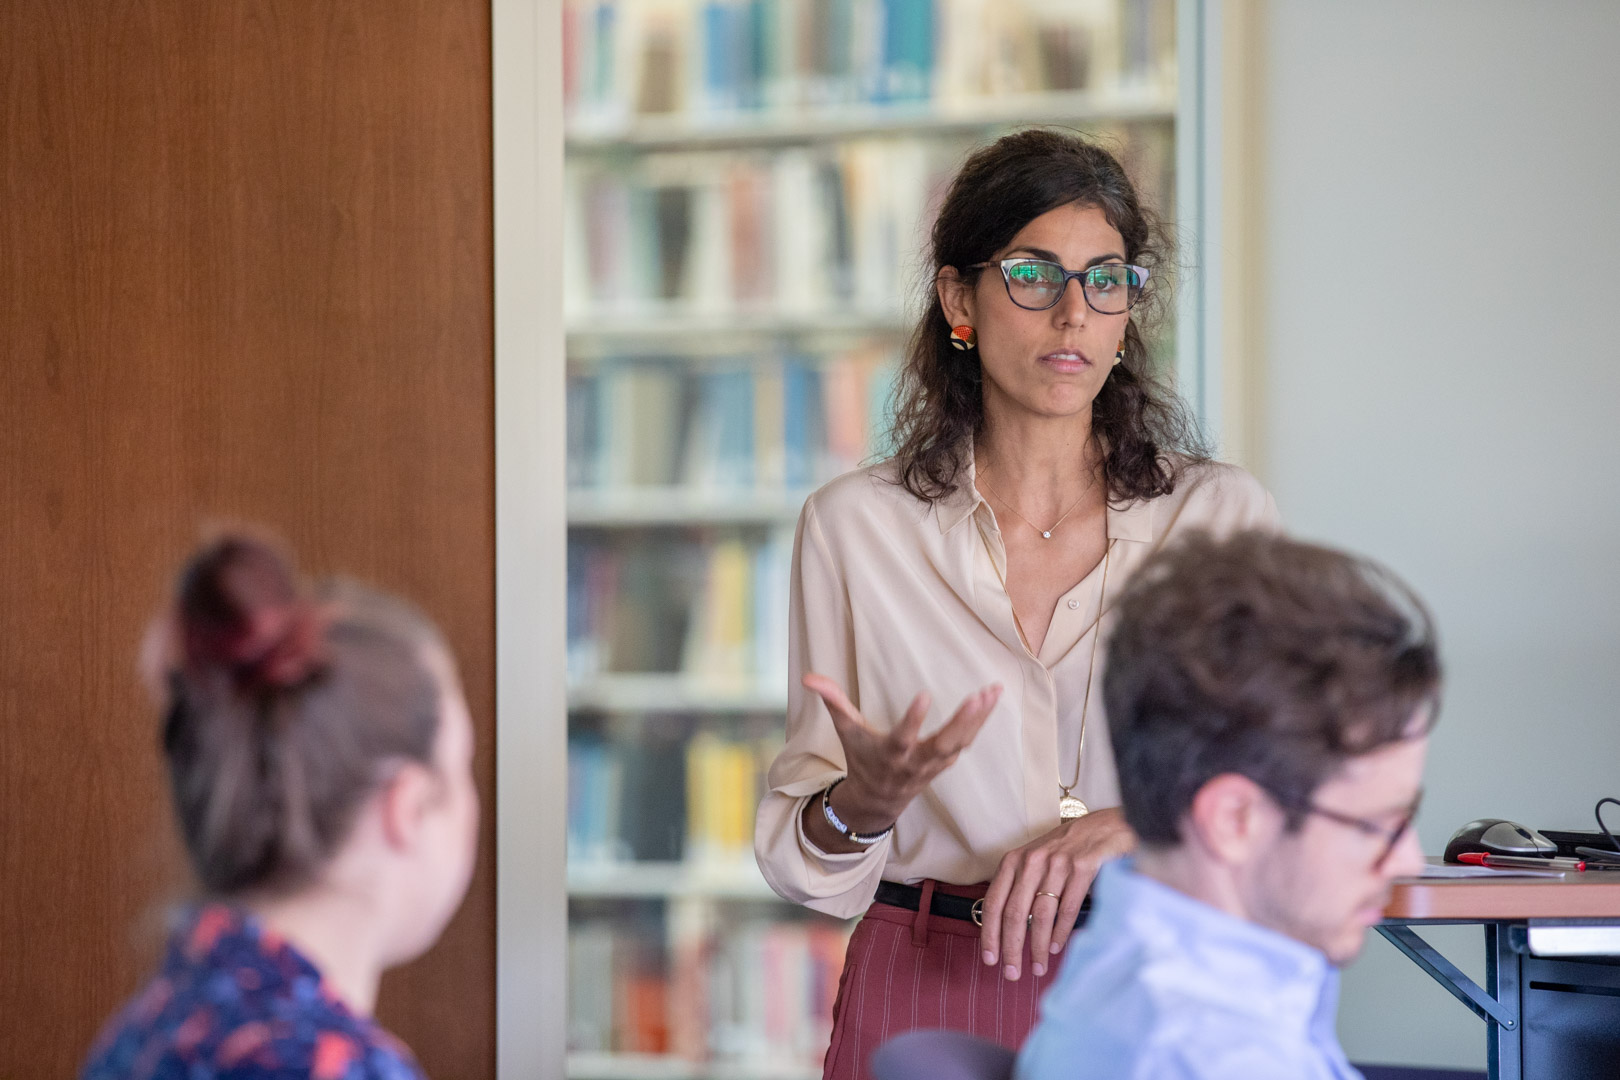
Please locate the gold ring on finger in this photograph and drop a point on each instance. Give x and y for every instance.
(1053, 895)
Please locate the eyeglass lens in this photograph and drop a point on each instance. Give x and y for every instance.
(1111, 289)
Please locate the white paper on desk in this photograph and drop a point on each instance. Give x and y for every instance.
(1463, 870)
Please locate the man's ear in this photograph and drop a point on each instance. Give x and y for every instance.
(1233, 819)
(404, 804)
(955, 297)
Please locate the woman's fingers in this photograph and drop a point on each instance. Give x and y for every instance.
(1074, 894)
(1045, 910)
(905, 732)
(847, 719)
(833, 694)
(896, 762)
(1015, 914)
(1063, 862)
(965, 723)
(995, 898)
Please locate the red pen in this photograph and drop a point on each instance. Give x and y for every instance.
(1516, 862)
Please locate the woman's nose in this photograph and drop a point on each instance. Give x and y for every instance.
(1071, 308)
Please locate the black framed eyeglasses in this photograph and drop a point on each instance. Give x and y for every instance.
(1391, 835)
(1038, 284)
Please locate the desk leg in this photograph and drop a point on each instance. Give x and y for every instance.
(1498, 1002)
(1480, 1000)
(1503, 1044)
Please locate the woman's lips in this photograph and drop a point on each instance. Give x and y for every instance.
(1067, 362)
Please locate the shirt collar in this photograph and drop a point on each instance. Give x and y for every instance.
(219, 936)
(1277, 978)
(1132, 521)
(957, 506)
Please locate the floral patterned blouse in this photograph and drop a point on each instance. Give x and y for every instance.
(236, 1002)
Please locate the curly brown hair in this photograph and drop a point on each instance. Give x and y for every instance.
(1144, 433)
(1261, 656)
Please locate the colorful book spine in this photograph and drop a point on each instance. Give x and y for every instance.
(772, 425)
(707, 788)
(753, 990)
(805, 231)
(716, 57)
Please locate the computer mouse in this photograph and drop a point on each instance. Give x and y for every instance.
(1494, 836)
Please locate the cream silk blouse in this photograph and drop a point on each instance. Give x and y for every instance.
(892, 596)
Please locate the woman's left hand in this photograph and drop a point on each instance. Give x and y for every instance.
(1040, 887)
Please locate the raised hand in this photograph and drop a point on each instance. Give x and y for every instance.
(886, 770)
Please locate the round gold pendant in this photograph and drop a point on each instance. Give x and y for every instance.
(1070, 808)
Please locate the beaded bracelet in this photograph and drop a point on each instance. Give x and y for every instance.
(844, 830)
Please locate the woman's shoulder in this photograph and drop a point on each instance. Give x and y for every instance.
(1213, 479)
(240, 1001)
(1218, 494)
(211, 1025)
(861, 494)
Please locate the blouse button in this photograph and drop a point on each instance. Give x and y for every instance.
(1073, 604)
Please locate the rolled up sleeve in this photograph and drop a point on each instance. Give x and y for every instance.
(819, 640)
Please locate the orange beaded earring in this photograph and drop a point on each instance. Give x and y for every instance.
(963, 337)
(1119, 354)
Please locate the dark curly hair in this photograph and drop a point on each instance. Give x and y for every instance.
(1143, 430)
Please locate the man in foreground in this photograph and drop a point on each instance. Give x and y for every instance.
(1269, 703)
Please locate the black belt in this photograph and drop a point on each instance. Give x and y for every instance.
(947, 906)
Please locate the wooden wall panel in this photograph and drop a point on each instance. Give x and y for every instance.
(245, 273)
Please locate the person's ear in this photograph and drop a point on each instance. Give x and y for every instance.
(1234, 819)
(955, 297)
(406, 801)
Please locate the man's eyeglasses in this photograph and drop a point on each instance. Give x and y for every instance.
(1390, 835)
(1038, 284)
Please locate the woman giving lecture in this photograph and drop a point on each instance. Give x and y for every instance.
(1039, 463)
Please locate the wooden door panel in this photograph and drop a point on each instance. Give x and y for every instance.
(245, 274)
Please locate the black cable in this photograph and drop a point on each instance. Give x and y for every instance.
(1597, 812)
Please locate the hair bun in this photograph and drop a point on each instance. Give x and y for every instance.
(241, 607)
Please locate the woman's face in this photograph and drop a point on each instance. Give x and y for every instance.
(447, 841)
(1048, 363)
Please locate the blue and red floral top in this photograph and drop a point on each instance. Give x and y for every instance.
(236, 1002)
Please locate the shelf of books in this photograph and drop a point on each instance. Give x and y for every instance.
(748, 186)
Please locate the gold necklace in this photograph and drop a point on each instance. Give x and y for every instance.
(1046, 534)
(1070, 806)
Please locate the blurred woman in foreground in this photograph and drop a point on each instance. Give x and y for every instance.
(319, 750)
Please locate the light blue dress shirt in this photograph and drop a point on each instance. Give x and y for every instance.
(1159, 986)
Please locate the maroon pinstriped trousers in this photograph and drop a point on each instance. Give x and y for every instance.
(907, 969)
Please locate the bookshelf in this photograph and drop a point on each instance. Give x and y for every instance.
(739, 880)
(747, 189)
(647, 506)
(731, 131)
(655, 692)
(653, 330)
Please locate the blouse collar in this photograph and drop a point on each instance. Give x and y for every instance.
(1132, 521)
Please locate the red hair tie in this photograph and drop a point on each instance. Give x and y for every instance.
(289, 650)
(242, 608)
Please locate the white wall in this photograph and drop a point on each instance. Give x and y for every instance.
(1438, 382)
